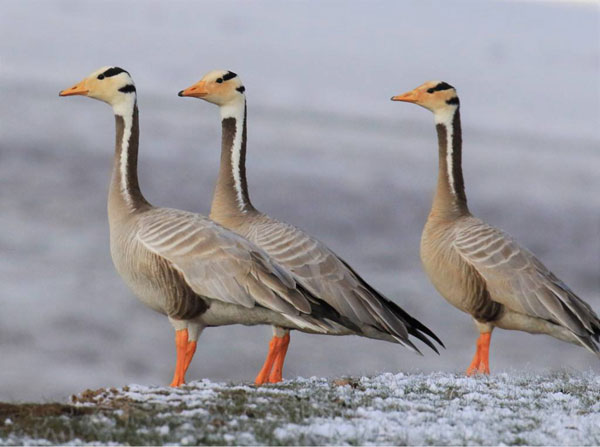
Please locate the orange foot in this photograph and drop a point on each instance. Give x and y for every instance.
(481, 360)
(272, 369)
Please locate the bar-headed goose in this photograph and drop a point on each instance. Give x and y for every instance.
(312, 263)
(478, 268)
(184, 265)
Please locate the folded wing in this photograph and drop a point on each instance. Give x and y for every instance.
(218, 264)
(518, 280)
(330, 278)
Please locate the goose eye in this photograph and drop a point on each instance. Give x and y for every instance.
(100, 76)
(220, 80)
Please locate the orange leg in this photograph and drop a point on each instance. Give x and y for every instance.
(274, 349)
(277, 372)
(181, 343)
(472, 369)
(481, 360)
(484, 364)
(190, 350)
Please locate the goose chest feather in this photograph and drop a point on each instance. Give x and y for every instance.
(453, 278)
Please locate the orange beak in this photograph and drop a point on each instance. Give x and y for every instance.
(198, 90)
(412, 96)
(78, 89)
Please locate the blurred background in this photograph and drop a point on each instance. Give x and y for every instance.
(327, 151)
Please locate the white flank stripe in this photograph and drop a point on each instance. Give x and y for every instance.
(303, 324)
(236, 111)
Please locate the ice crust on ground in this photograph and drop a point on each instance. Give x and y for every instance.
(559, 408)
(327, 151)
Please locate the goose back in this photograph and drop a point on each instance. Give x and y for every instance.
(329, 277)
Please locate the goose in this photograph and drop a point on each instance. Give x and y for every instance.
(480, 269)
(184, 265)
(312, 263)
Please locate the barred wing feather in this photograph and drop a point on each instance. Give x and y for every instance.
(327, 276)
(219, 264)
(518, 280)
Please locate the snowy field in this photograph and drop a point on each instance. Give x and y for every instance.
(327, 151)
(399, 409)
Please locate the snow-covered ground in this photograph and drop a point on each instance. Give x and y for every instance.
(327, 151)
(512, 408)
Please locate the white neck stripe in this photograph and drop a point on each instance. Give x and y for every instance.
(124, 161)
(450, 157)
(236, 111)
(125, 111)
(446, 118)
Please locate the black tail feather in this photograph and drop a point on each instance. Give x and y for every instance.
(425, 340)
(413, 326)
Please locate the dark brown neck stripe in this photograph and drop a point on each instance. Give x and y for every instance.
(127, 181)
(232, 186)
(450, 195)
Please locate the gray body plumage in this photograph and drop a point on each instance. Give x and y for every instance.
(484, 272)
(188, 267)
(310, 261)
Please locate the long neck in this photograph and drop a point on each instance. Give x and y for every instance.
(450, 200)
(231, 197)
(125, 196)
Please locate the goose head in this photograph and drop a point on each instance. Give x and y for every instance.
(112, 85)
(436, 96)
(221, 87)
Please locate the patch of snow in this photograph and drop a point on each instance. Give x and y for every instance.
(557, 408)
(164, 430)
(188, 440)
(443, 409)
